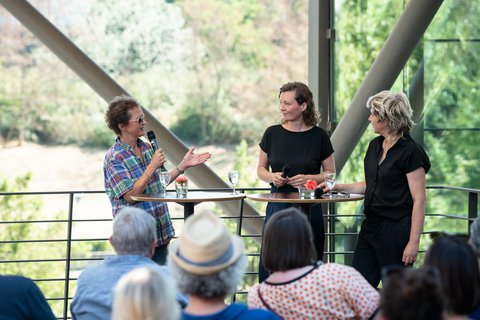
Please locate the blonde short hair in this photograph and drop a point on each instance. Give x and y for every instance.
(145, 293)
(393, 108)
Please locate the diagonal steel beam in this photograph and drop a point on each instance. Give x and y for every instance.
(107, 88)
(398, 47)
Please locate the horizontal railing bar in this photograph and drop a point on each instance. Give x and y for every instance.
(53, 221)
(52, 240)
(455, 189)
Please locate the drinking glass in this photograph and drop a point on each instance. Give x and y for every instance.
(164, 180)
(330, 180)
(233, 177)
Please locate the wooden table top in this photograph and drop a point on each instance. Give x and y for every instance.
(293, 198)
(192, 196)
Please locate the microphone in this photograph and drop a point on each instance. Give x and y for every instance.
(153, 141)
(286, 170)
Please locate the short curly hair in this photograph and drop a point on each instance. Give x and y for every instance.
(393, 108)
(119, 112)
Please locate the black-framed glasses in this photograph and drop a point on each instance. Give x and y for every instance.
(140, 120)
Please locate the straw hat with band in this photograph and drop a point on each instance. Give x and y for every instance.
(205, 245)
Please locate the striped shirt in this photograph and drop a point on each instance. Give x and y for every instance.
(121, 168)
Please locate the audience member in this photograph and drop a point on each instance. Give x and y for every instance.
(411, 294)
(208, 264)
(21, 299)
(134, 240)
(475, 236)
(299, 287)
(458, 266)
(145, 293)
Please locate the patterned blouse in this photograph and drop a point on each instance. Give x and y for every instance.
(327, 291)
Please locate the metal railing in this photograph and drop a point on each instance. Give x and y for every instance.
(96, 213)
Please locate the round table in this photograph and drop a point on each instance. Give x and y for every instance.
(192, 199)
(303, 204)
(293, 198)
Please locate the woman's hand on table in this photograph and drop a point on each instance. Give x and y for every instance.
(323, 186)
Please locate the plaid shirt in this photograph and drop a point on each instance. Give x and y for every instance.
(121, 168)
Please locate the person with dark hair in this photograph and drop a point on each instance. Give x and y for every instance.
(208, 263)
(394, 187)
(131, 167)
(458, 266)
(411, 294)
(299, 286)
(133, 239)
(22, 299)
(293, 152)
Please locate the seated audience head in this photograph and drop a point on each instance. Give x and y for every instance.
(458, 267)
(145, 293)
(207, 260)
(133, 232)
(287, 241)
(411, 294)
(475, 236)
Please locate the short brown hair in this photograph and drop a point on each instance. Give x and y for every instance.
(119, 112)
(287, 241)
(303, 94)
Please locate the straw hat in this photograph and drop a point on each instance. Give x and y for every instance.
(205, 245)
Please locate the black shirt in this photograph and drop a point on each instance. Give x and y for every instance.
(304, 151)
(387, 193)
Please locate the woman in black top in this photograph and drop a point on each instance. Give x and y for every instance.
(395, 167)
(298, 143)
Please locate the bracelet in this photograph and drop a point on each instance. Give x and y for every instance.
(181, 172)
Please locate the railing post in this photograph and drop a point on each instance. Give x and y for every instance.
(68, 257)
(472, 208)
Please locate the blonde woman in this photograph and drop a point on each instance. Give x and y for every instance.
(395, 167)
(145, 294)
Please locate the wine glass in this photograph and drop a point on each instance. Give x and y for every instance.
(330, 180)
(233, 177)
(164, 177)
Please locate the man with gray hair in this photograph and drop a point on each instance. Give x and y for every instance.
(134, 240)
(475, 236)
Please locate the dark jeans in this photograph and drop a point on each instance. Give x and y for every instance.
(160, 255)
(315, 217)
(380, 244)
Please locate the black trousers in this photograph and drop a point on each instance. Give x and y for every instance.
(380, 244)
(315, 217)
(160, 255)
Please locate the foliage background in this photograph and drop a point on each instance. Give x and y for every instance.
(210, 71)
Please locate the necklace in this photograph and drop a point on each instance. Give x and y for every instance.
(389, 141)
